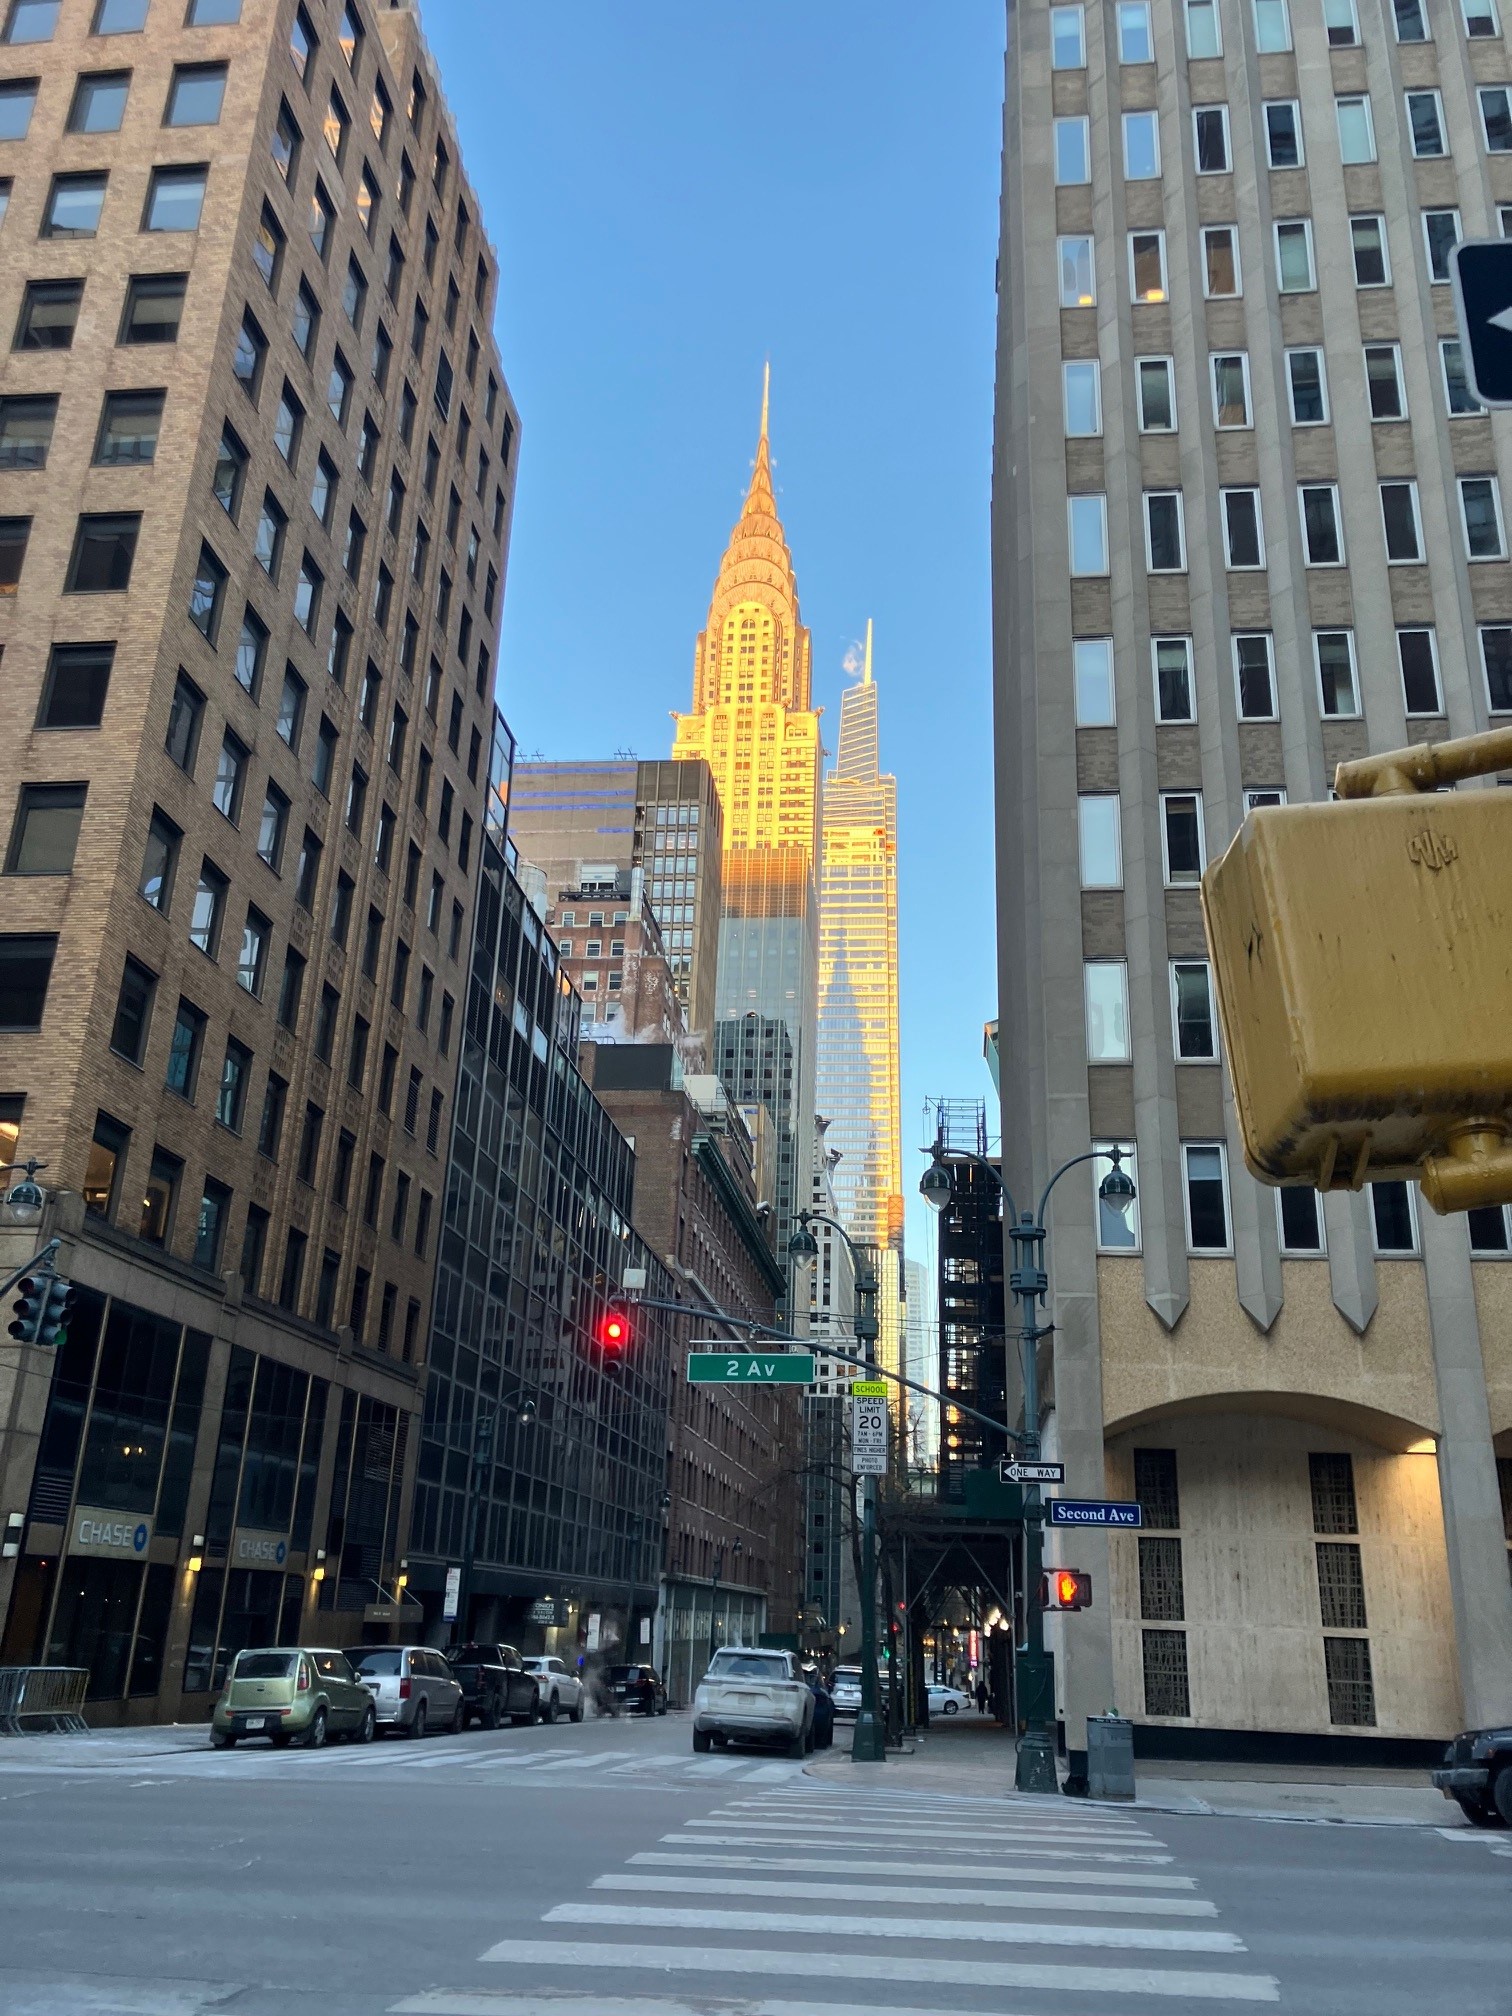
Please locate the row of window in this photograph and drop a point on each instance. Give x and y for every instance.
(1270, 19)
(1209, 1219)
(175, 198)
(196, 93)
(1194, 1023)
(1254, 669)
(37, 20)
(1321, 517)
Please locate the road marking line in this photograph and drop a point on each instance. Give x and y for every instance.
(774, 1771)
(859, 1831)
(508, 2002)
(850, 1925)
(568, 1762)
(910, 1893)
(779, 1806)
(933, 1970)
(975, 1872)
(1143, 1858)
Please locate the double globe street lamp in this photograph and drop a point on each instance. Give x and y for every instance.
(1033, 1690)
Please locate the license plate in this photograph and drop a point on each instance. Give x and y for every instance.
(256, 1722)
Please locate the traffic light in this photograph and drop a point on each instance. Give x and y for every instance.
(31, 1301)
(613, 1337)
(55, 1312)
(1065, 1589)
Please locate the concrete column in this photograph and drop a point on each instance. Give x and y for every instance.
(1351, 1260)
(1473, 1535)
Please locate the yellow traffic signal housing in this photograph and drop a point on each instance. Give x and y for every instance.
(1363, 957)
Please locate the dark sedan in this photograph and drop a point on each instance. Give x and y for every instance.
(636, 1689)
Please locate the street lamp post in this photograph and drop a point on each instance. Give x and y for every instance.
(1035, 1767)
(868, 1742)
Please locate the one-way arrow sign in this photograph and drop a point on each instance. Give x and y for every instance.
(1013, 1472)
(1481, 270)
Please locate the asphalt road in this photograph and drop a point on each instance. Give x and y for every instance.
(603, 1870)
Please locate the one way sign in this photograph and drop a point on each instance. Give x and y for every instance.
(1481, 270)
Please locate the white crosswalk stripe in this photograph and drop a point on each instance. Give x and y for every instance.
(876, 1895)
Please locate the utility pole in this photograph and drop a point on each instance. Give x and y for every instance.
(483, 1434)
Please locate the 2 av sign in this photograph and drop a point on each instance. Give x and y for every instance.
(750, 1368)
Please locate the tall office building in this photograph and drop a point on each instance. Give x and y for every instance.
(1271, 537)
(753, 724)
(255, 488)
(858, 1091)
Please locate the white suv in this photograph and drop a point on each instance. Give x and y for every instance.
(754, 1696)
(561, 1689)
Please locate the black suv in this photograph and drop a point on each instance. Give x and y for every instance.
(1477, 1775)
(635, 1687)
(494, 1685)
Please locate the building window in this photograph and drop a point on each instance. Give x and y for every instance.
(1372, 262)
(104, 549)
(175, 197)
(195, 95)
(1307, 387)
(74, 203)
(1384, 383)
(1206, 1174)
(26, 429)
(1220, 262)
(15, 534)
(1135, 40)
(1231, 389)
(1351, 1691)
(248, 357)
(1068, 39)
(1166, 1686)
(133, 1013)
(209, 909)
(1481, 518)
(1157, 397)
(1254, 677)
(1203, 32)
(1300, 1220)
(1407, 16)
(252, 959)
(1425, 124)
(49, 314)
(1417, 653)
(1395, 1218)
(1101, 848)
(231, 1094)
(293, 1270)
(1356, 131)
(1441, 233)
(18, 99)
(184, 717)
(1181, 837)
(1458, 397)
(1147, 265)
(1488, 1234)
(1073, 151)
(1272, 26)
(1082, 386)
(1107, 1011)
(102, 1172)
(230, 777)
(1480, 18)
(1210, 126)
(1087, 518)
(160, 1198)
(1165, 532)
(1496, 667)
(1195, 1026)
(1243, 531)
(1092, 662)
(1171, 660)
(159, 861)
(153, 308)
(1283, 133)
(1078, 276)
(1117, 1231)
(270, 1125)
(1141, 146)
(1338, 692)
(1160, 1589)
(1400, 522)
(1322, 525)
(1295, 272)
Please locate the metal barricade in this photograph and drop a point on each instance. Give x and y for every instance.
(47, 1698)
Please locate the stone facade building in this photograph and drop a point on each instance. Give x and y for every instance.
(1247, 523)
(256, 476)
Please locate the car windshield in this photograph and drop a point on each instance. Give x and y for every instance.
(624, 1673)
(265, 1665)
(383, 1659)
(474, 1655)
(746, 1666)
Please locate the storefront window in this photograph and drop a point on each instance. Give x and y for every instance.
(152, 1629)
(200, 1658)
(183, 1433)
(94, 1620)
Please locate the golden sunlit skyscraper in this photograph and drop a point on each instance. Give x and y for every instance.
(752, 723)
(858, 1090)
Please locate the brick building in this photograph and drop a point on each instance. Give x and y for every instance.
(255, 489)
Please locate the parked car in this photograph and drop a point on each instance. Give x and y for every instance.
(494, 1685)
(413, 1688)
(845, 1690)
(292, 1695)
(636, 1689)
(753, 1696)
(560, 1689)
(945, 1700)
(1477, 1775)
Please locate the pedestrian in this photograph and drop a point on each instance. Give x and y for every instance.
(981, 1697)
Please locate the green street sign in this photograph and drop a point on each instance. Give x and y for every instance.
(750, 1368)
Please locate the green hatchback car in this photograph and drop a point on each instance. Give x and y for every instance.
(293, 1696)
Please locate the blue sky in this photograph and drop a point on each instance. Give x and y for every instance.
(678, 191)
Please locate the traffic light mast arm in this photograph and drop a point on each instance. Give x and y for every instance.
(824, 1346)
(45, 1258)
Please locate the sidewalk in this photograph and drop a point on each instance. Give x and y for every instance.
(975, 1759)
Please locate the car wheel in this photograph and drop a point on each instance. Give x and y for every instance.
(662, 1707)
(952, 1708)
(797, 1748)
(458, 1724)
(1476, 1811)
(551, 1708)
(577, 1709)
(417, 1721)
(701, 1739)
(315, 1735)
(1501, 1794)
(808, 1741)
(369, 1727)
(490, 1715)
(220, 1742)
(535, 1714)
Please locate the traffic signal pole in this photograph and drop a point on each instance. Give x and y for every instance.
(1034, 1768)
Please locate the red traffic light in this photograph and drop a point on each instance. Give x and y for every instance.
(1065, 1589)
(613, 1332)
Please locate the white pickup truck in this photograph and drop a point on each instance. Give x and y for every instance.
(754, 1696)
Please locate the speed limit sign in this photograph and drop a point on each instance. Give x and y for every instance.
(869, 1427)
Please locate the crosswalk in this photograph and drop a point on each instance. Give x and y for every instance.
(810, 1899)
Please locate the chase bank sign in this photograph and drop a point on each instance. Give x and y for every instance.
(109, 1536)
(258, 1550)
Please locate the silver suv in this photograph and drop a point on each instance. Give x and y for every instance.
(413, 1688)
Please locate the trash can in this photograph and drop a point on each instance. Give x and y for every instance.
(1110, 1757)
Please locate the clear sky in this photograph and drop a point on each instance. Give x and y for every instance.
(679, 190)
